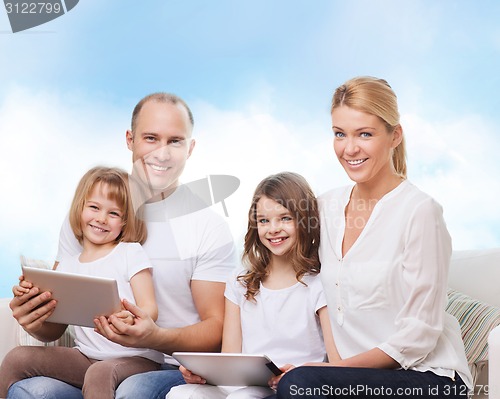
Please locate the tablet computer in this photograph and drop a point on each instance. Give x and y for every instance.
(229, 368)
(80, 298)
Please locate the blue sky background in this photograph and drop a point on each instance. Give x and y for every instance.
(259, 76)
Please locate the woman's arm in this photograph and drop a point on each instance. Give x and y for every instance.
(425, 264)
(374, 358)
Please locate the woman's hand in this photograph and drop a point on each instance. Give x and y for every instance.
(191, 378)
(273, 382)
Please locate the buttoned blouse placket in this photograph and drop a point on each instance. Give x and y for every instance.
(339, 285)
(337, 249)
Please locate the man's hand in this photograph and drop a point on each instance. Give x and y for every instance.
(32, 309)
(141, 334)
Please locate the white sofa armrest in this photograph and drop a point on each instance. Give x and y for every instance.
(494, 363)
(8, 328)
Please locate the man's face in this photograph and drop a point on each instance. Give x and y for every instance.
(160, 144)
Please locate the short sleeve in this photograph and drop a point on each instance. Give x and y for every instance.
(214, 251)
(137, 259)
(235, 291)
(317, 294)
(68, 244)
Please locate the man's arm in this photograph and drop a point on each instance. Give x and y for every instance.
(204, 336)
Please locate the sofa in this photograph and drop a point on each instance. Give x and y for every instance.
(473, 298)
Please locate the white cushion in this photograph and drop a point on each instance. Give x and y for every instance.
(8, 328)
(477, 274)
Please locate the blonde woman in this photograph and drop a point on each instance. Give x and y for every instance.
(385, 253)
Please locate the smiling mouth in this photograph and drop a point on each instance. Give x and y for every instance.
(277, 240)
(158, 168)
(355, 162)
(98, 229)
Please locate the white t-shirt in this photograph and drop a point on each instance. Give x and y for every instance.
(121, 264)
(389, 290)
(186, 241)
(282, 324)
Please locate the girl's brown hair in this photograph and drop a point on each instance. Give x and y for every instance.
(116, 182)
(374, 96)
(293, 192)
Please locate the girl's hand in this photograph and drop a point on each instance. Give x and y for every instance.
(273, 382)
(22, 288)
(191, 378)
(144, 333)
(123, 316)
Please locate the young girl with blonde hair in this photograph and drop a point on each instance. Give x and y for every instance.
(104, 222)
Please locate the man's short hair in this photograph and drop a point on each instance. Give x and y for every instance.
(160, 97)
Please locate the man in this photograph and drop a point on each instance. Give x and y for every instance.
(189, 245)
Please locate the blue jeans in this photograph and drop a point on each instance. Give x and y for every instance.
(347, 382)
(151, 385)
(43, 388)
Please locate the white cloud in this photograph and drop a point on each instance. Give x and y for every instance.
(456, 161)
(48, 143)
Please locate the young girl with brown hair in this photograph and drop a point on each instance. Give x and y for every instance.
(275, 306)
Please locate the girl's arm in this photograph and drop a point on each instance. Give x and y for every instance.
(231, 333)
(144, 293)
(23, 287)
(231, 339)
(326, 327)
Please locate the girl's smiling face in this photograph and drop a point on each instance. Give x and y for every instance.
(276, 226)
(101, 219)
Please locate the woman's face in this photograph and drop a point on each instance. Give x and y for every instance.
(363, 145)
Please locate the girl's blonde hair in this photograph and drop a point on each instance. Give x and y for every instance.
(116, 182)
(374, 96)
(293, 192)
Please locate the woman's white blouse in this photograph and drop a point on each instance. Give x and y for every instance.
(389, 290)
